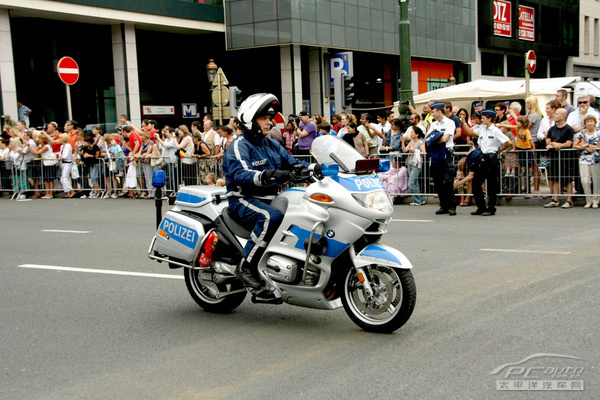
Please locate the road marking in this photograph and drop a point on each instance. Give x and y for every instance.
(412, 220)
(527, 251)
(99, 271)
(62, 231)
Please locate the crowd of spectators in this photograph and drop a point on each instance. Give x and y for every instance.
(121, 163)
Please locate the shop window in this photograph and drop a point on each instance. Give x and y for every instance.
(492, 64)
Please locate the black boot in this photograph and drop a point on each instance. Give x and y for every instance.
(244, 271)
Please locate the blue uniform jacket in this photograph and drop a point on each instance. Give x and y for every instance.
(246, 159)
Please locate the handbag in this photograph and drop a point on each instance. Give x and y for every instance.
(49, 159)
(112, 165)
(75, 172)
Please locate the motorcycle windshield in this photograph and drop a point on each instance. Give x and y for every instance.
(332, 149)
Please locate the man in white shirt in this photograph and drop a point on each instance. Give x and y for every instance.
(576, 118)
(442, 165)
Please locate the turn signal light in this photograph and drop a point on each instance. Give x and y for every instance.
(323, 198)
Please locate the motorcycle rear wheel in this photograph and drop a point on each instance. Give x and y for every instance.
(395, 296)
(202, 293)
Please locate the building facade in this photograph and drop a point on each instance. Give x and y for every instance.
(507, 29)
(140, 56)
(587, 64)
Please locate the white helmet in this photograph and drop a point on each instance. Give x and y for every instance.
(256, 106)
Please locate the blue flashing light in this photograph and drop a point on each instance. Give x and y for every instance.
(158, 178)
(330, 169)
(384, 166)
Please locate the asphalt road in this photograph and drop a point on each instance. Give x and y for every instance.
(491, 291)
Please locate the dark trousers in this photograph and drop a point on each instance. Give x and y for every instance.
(265, 219)
(488, 169)
(443, 172)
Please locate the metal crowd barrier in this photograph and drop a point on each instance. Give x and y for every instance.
(521, 173)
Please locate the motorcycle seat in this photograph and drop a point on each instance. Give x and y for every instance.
(234, 226)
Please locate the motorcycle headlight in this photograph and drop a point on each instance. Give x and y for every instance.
(378, 201)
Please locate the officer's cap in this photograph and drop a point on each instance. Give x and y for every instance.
(478, 104)
(439, 104)
(488, 112)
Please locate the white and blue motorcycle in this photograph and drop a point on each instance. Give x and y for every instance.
(325, 253)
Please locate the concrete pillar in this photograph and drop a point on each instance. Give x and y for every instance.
(291, 80)
(8, 84)
(316, 79)
(125, 64)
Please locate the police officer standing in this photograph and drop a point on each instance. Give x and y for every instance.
(492, 142)
(255, 166)
(440, 146)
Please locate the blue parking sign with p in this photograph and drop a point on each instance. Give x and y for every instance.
(190, 110)
(341, 62)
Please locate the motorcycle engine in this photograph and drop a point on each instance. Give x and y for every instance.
(282, 269)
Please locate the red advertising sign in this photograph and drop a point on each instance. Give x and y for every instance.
(502, 18)
(526, 23)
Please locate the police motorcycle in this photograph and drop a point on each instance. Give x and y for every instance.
(324, 255)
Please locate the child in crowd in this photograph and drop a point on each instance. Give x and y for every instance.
(116, 162)
(395, 180)
(524, 143)
(221, 182)
(131, 179)
(210, 179)
(462, 189)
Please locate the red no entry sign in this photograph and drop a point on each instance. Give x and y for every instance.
(68, 70)
(531, 61)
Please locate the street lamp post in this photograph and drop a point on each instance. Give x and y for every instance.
(211, 70)
(405, 57)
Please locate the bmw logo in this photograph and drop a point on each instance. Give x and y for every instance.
(330, 234)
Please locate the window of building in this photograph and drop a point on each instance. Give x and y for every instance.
(492, 64)
(586, 35)
(558, 68)
(596, 37)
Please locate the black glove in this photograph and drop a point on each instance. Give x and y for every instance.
(298, 168)
(271, 176)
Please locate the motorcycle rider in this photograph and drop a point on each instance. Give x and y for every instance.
(255, 166)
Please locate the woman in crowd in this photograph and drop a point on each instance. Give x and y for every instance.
(44, 150)
(416, 149)
(97, 136)
(186, 147)
(289, 137)
(464, 138)
(169, 154)
(203, 154)
(145, 158)
(534, 115)
(20, 167)
(393, 139)
(588, 142)
(355, 139)
(227, 135)
(67, 160)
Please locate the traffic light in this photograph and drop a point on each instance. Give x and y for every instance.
(347, 90)
(237, 97)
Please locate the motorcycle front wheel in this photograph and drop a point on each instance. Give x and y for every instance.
(392, 303)
(204, 292)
